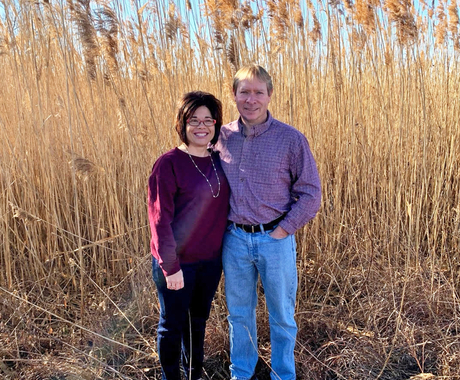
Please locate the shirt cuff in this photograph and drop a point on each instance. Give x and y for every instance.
(171, 269)
(285, 225)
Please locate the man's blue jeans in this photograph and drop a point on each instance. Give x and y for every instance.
(246, 256)
(183, 316)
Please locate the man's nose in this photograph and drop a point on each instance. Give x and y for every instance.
(250, 98)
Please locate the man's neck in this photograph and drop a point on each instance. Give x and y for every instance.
(248, 126)
(246, 129)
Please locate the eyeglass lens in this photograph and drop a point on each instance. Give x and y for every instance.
(206, 122)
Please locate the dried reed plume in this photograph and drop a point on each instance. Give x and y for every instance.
(23, 215)
(454, 23)
(248, 18)
(108, 27)
(399, 12)
(349, 6)
(220, 13)
(315, 33)
(232, 4)
(278, 12)
(83, 167)
(172, 23)
(365, 15)
(233, 53)
(298, 19)
(83, 18)
(442, 26)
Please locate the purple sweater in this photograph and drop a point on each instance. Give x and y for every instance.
(271, 171)
(186, 222)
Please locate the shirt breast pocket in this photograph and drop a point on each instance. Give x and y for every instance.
(268, 172)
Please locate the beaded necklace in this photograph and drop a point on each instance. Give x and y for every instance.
(206, 178)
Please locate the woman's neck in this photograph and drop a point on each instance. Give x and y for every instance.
(194, 150)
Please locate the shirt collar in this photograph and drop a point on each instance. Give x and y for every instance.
(256, 130)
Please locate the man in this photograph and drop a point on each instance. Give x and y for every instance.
(275, 190)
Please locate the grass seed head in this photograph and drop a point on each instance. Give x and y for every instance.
(83, 167)
(83, 18)
(233, 53)
(108, 26)
(453, 18)
(365, 15)
(23, 215)
(442, 26)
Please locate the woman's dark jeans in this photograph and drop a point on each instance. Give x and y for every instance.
(183, 315)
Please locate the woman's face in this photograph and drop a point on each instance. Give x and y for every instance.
(200, 135)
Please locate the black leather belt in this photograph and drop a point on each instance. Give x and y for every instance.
(252, 228)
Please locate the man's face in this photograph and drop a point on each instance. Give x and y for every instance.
(252, 101)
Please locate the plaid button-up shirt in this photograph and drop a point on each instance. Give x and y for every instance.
(271, 171)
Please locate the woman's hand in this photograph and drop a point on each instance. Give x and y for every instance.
(175, 281)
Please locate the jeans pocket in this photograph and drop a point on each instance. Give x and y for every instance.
(275, 239)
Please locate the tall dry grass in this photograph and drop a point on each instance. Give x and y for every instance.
(87, 101)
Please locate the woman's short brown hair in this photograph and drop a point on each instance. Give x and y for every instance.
(187, 106)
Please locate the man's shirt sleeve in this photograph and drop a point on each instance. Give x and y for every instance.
(305, 190)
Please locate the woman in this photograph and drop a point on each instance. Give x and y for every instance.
(188, 206)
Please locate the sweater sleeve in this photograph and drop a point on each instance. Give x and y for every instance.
(161, 192)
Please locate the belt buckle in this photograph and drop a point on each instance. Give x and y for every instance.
(252, 228)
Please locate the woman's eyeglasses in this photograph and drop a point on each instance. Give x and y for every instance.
(196, 122)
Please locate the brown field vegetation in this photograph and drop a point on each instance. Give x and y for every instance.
(87, 98)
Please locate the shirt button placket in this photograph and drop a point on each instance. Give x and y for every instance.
(243, 163)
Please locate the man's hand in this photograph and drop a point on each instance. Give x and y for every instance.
(278, 233)
(175, 281)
